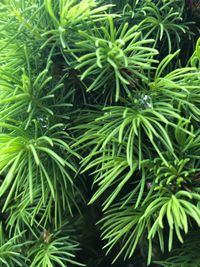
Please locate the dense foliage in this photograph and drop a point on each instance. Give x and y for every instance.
(99, 105)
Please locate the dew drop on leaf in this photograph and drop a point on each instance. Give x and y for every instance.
(43, 121)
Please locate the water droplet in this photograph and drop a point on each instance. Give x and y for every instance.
(43, 121)
(143, 101)
(149, 185)
(147, 101)
(64, 127)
